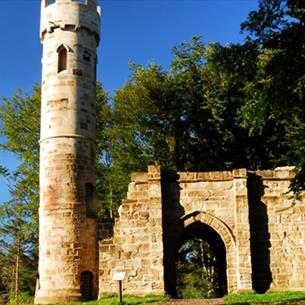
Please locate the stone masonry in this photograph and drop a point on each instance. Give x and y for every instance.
(136, 246)
(253, 222)
(252, 213)
(68, 256)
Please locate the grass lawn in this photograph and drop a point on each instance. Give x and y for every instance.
(24, 299)
(127, 300)
(269, 297)
(272, 298)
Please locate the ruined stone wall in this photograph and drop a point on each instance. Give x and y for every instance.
(277, 231)
(260, 223)
(219, 200)
(154, 215)
(135, 246)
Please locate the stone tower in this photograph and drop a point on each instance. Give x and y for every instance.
(68, 261)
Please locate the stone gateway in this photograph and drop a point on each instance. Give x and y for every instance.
(251, 220)
(253, 223)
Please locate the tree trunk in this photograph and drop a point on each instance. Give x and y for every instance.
(17, 267)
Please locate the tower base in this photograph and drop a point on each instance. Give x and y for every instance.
(52, 296)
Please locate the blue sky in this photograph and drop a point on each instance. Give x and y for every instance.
(141, 31)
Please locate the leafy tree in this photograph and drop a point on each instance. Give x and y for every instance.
(17, 243)
(190, 116)
(276, 95)
(20, 118)
(216, 107)
(105, 181)
(19, 220)
(197, 276)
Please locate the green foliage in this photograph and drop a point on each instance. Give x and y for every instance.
(216, 108)
(131, 300)
(22, 299)
(20, 125)
(185, 118)
(195, 271)
(267, 298)
(20, 118)
(275, 98)
(105, 181)
(25, 299)
(18, 248)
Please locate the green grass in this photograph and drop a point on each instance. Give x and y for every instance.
(127, 300)
(270, 297)
(23, 299)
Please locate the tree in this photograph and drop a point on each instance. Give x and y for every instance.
(20, 118)
(189, 117)
(17, 243)
(216, 108)
(19, 220)
(276, 95)
(197, 275)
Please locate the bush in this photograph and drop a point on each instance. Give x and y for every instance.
(23, 298)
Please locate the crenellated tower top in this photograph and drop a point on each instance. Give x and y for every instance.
(70, 14)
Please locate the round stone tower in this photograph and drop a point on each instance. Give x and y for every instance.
(68, 261)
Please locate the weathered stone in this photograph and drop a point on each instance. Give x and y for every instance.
(251, 215)
(68, 232)
(263, 234)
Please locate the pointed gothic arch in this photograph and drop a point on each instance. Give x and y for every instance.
(62, 64)
(227, 238)
(214, 262)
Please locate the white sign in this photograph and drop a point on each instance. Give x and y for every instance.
(118, 276)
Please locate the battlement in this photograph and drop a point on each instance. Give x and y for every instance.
(70, 14)
(84, 2)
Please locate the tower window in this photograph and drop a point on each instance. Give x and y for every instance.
(95, 64)
(62, 58)
(86, 56)
(90, 200)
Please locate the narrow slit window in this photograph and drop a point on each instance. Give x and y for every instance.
(95, 64)
(62, 58)
(86, 56)
(90, 200)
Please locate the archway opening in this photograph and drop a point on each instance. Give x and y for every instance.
(200, 263)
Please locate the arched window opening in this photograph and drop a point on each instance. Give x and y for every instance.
(86, 56)
(62, 58)
(200, 264)
(90, 200)
(86, 284)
